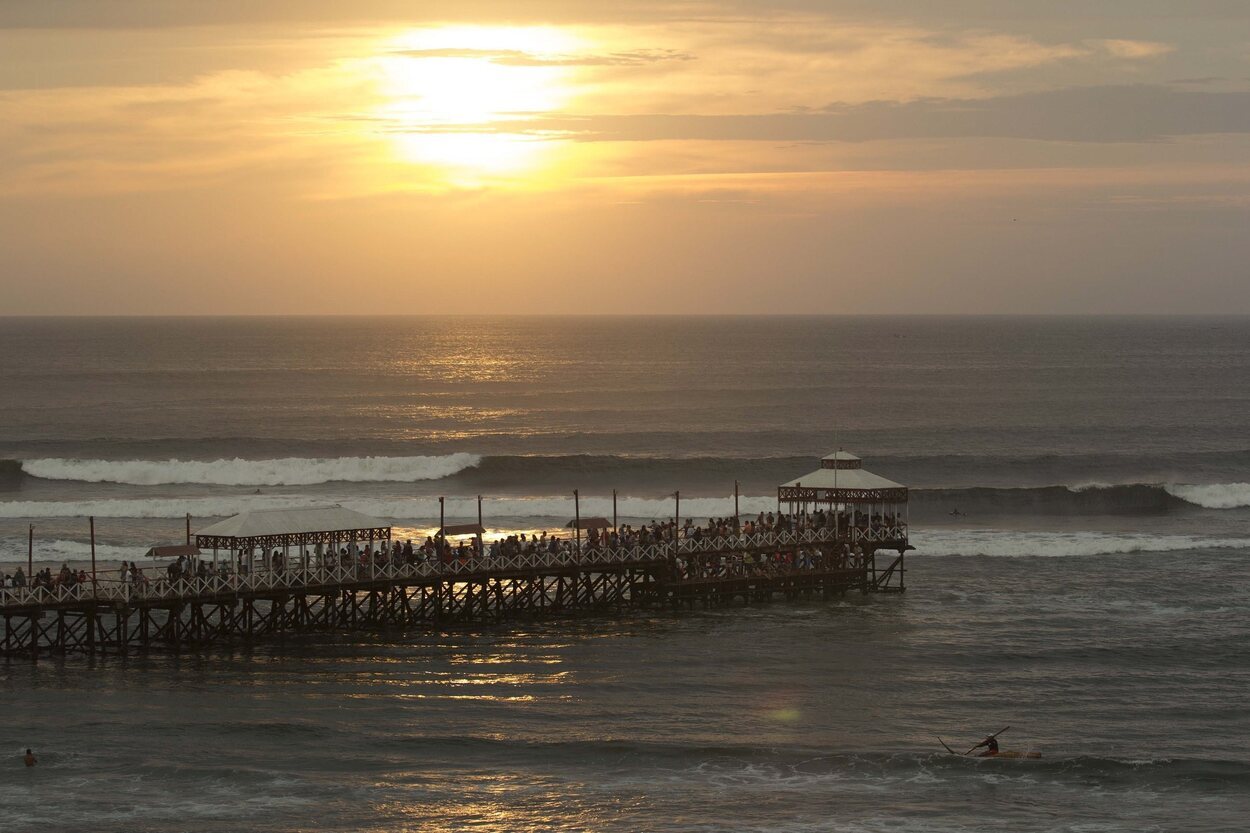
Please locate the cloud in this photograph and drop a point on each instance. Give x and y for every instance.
(1134, 50)
(1199, 81)
(521, 58)
(1124, 113)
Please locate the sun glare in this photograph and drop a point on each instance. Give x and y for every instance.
(447, 93)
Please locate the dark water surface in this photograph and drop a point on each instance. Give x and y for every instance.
(1092, 594)
(1128, 672)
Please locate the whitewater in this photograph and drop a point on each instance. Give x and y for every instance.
(286, 471)
(986, 543)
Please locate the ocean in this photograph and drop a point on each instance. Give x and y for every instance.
(1080, 507)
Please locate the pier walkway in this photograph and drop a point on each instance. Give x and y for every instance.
(116, 617)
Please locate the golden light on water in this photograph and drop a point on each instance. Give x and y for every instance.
(446, 89)
(786, 715)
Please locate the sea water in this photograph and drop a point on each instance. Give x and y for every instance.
(1090, 592)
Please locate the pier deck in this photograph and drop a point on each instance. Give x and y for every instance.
(112, 617)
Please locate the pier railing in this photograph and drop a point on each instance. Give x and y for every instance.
(298, 578)
(301, 578)
(764, 540)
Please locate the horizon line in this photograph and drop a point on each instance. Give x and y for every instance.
(673, 315)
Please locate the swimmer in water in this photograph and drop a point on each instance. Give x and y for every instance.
(30, 758)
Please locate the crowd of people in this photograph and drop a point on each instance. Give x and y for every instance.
(727, 565)
(437, 550)
(764, 523)
(65, 577)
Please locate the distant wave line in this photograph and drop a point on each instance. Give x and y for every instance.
(283, 471)
(973, 503)
(1016, 544)
(423, 509)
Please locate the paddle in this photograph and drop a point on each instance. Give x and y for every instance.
(947, 748)
(996, 734)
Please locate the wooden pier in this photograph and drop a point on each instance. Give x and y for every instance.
(839, 529)
(116, 618)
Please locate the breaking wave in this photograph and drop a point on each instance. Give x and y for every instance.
(285, 471)
(1085, 499)
(407, 509)
(1213, 496)
(1010, 544)
(553, 474)
(14, 551)
(975, 505)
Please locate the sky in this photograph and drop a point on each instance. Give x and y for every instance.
(749, 156)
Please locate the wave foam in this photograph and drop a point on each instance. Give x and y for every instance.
(77, 553)
(1214, 495)
(410, 509)
(933, 543)
(1059, 544)
(285, 471)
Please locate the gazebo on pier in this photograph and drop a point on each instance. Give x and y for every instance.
(325, 529)
(843, 487)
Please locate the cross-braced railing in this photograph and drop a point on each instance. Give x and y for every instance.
(300, 578)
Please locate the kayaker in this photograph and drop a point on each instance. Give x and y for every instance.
(991, 744)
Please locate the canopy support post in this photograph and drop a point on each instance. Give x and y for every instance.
(676, 519)
(92, 521)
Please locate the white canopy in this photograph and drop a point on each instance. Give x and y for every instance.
(263, 522)
(843, 479)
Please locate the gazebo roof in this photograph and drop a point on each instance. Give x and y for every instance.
(171, 550)
(590, 523)
(841, 478)
(452, 530)
(844, 479)
(265, 523)
(840, 460)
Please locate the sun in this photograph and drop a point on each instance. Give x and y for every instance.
(457, 97)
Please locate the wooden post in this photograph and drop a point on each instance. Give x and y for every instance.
(30, 554)
(188, 529)
(737, 514)
(614, 508)
(577, 521)
(91, 520)
(676, 518)
(676, 522)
